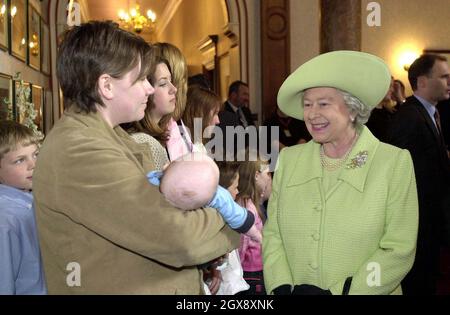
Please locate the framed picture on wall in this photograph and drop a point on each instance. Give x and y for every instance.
(3, 25)
(34, 38)
(6, 98)
(37, 97)
(45, 48)
(19, 29)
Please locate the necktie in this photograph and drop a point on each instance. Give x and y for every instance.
(437, 118)
(242, 117)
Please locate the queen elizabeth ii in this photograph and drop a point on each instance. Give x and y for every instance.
(343, 214)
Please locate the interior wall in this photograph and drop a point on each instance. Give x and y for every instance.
(305, 31)
(239, 57)
(10, 65)
(193, 21)
(253, 64)
(406, 25)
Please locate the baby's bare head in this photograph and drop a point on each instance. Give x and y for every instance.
(190, 181)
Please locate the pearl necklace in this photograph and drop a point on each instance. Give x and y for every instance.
(334, 164)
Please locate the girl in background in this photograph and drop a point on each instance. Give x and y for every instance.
(231, 272)
(177, 63)
(153, 128)
(204, 105)
(178, 142)
(254, 181)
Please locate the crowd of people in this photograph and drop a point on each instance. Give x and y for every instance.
(124, 195)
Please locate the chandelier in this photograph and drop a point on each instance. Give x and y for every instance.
(133, 20)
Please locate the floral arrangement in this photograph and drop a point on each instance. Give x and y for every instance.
(25, 107)
(7, 112)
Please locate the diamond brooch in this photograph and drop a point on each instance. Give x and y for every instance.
(358, 161)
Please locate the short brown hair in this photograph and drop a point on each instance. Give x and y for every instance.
(229, 170)
(13, 134)
(200, 103)
(92, 49)
(422, 66)
(234, 87)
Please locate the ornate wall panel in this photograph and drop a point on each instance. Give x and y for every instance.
(275, 47)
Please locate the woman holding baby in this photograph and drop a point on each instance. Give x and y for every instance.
(166, 140)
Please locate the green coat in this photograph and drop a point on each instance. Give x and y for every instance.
(364, 227)
(95, 207)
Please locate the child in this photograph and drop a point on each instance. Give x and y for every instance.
(232, 273)
(254, 179)
(20, 261)
(191, 182)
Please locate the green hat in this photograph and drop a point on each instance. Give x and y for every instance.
(363, 75)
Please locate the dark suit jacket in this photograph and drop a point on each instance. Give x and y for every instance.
(228, 117)
(412, 128)
(379, 123)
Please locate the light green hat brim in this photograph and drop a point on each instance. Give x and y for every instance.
(363, 75)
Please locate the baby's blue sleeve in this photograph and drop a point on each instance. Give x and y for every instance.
(237, 217)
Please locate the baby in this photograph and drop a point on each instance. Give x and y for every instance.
(192, 181)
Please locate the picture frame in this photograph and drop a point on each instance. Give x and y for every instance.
(48, 110)
(19, 29)
(4, 29)
(45, 48)
(7, 111)
(37, 97)
(34, 38)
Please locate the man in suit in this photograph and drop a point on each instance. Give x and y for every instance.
(236, 113)
(416, 127)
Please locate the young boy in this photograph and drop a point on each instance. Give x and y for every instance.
(20, 260)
